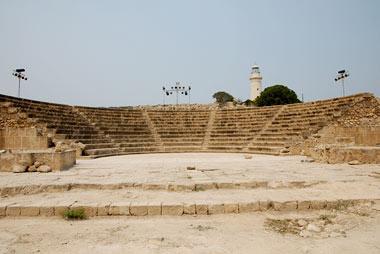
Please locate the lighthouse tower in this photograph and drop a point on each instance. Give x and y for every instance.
(255, 82)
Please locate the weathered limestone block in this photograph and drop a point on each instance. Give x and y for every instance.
(172, 209)
(201, 209)
(205, 186)
(18, 168)
(13, 210)
(304, 205)
(215, 209)
(189, 209)
(3, 208)
(249, 207)
(103, 209)
(153, 186)
(44, 169)
(318, 204)
(29, 211)
(332, 204)
(225, 185)
(185, 187)
(265, 205)
(154, 208)
(46, 211)
(262, 184)
(285, 206)
(27, 158)
(231, 208)
(32, 169)
(181, 187)
(249, 185)
(120, 208)
(60, 210)
(138, 209)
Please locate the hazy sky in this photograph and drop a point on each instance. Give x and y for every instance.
(109, 53)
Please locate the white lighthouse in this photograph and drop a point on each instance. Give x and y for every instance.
(255, 82)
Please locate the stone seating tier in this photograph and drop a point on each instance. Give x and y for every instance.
(107, 131)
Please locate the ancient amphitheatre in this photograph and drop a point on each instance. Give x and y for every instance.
(191, 178)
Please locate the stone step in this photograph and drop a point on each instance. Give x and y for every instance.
(140, 149)
(128, 132)
(80, 136)
(131, 138)
(180, 132)
(99, 145)
(274, 150)
(229, 138)
(181, 149)
(138, 139)
(83, 131)
(101, 151)
(189, 138)
(232, 134)
(157, 202)
(227, 143)
(93, 141)
(137, 144)
(32, 189)
(163, 125)
(120, 127)
(279, 134)
(268, 143)
(224, 147)
(269, 138)
(180, 143)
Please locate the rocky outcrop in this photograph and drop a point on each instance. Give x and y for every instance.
(353, 136)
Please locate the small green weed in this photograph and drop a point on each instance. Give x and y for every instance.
(75, 214)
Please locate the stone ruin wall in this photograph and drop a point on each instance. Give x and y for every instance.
(354, 136)
(23, 143)
(13, 118)
(17, 131)
(22, 139)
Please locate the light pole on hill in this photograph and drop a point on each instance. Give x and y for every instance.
(19, 73)
(177, 89)
(342, 75)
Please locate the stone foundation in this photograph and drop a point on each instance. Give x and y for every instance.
(362, 135)
(22, 138)
(339, 154)
(57, 161)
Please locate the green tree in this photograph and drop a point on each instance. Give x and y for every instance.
(276, 95)
(222, 97)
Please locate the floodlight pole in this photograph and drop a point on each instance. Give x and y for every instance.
(178, 88)
(342, 75)
(19, 73)
(19, 82)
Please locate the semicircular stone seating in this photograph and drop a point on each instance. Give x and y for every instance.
(126, 130)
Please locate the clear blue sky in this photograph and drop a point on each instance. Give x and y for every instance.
(109, 53)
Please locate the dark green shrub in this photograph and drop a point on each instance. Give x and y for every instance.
(222, 97)
(276, 95)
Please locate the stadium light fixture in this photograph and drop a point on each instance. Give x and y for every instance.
(20, 74)
(177, 89)
(342, 75)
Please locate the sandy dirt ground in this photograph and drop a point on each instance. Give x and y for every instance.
(243, 233)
